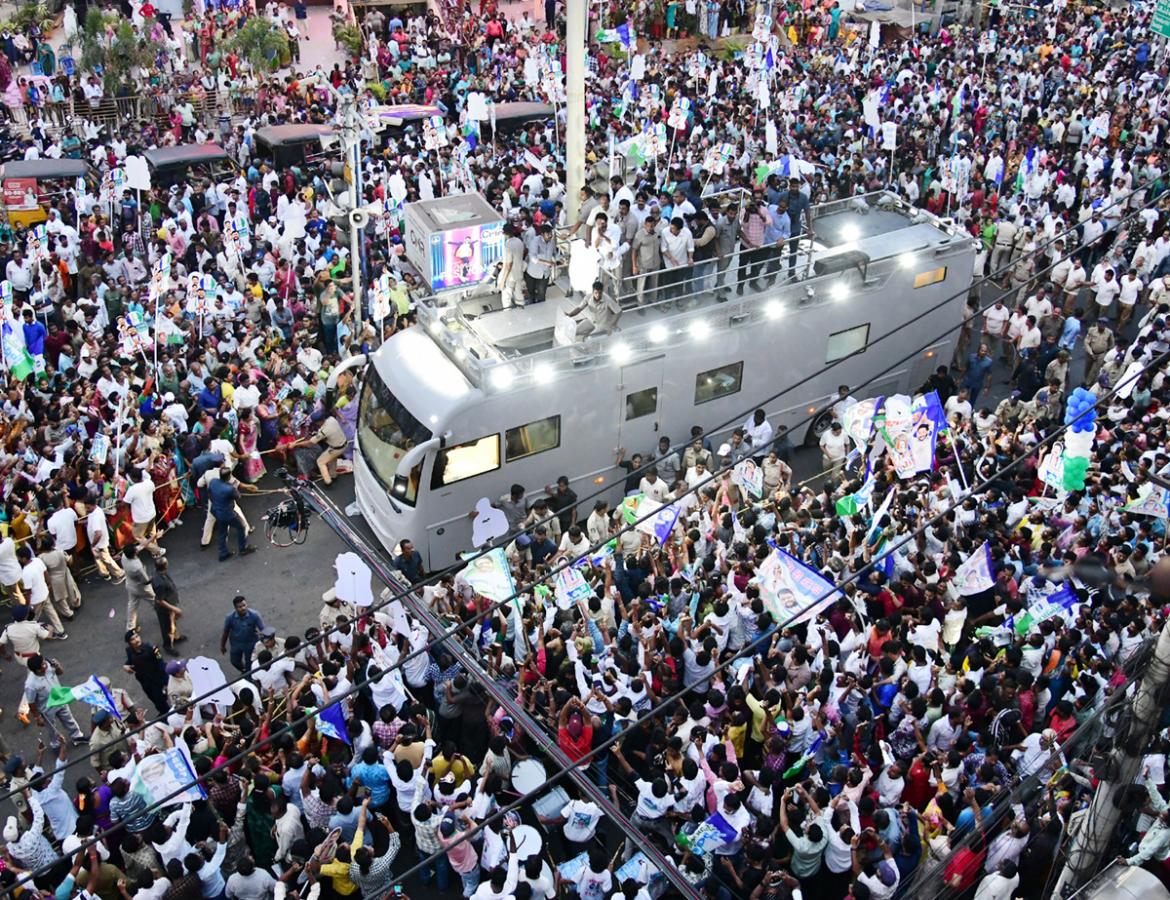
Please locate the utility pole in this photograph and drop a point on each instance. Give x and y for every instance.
(1092, 840)
(576, 13)
(349, 123)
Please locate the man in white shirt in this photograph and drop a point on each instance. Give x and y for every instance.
(834, 448)
(246, 395)
(1038, 306)
(678, 251)
(19, 273)
(1129, 292)
(140, 497)
(757, 432)
(1105, 291)
(995, 320)
(654, 487)
(36, 588)
(581, 820)
(98, 532)
(1077, 278)
(1000, 883)
(958, 405)
(63, 526)
(10, 572)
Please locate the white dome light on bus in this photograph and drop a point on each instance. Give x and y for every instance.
(907, 260)
(774, 309)
(850, 232)
(544, 373)
(658, 334)
(699, 330)
(620, 352)
(841, 292)
(502, 378)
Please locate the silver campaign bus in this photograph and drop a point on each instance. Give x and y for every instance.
(479, 397)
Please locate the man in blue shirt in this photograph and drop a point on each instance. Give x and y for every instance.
(242, 629)
(34, 338)
(542, 546)
(223, 496)
(798, 218)
(211, 397)
(776, 233)
(978, 374)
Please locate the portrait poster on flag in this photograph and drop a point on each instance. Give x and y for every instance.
(712, 834)
(749, 477)
(490, 575)
(1151, 501)
(793, 592)
(656, 519)
(974, 574)
(168, 775)
(570, 587)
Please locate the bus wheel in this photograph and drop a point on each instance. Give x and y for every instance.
(820, 424)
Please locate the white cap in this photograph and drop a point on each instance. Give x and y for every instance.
(11, 832)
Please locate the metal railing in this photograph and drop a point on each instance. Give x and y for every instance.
(113, 110)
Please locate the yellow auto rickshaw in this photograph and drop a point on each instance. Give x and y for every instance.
(29, 187)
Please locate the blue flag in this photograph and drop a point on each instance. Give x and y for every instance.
(331, 723)
(664, 521)
(1065, 598)
(791, 591)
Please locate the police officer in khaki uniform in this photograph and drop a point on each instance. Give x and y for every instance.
(1098, 341)
(331, 439)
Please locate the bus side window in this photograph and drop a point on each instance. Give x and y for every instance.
(641, 403)
(466, 460)
(535, 437)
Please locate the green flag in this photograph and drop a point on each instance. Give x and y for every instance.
(630, 508)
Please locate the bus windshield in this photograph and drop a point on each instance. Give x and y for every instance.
(386, 430)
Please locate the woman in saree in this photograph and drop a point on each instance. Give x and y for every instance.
(252, 462)
(168, 493)
(268, 418)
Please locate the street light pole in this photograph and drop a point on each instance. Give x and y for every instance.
(349, 122)
(1093, 839)
(576, 12)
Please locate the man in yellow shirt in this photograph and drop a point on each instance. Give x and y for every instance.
(451, 760)
(338, 867)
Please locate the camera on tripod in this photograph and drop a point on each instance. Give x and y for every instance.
(287, 523)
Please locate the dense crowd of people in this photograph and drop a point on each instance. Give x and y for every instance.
(922, 729)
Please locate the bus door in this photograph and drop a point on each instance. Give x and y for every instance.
(640, 407)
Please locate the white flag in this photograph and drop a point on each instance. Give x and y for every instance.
(974, 574)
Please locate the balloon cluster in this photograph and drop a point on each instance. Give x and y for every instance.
(1080, 416)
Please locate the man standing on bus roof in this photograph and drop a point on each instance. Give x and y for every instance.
(542, 251)
(563, 501)
(757, 432)
(798, 217)
(511, 283)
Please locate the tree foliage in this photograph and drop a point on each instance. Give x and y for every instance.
(262, 43)
(109, 46)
